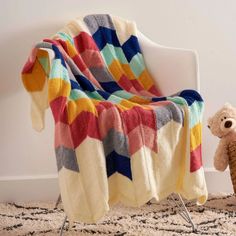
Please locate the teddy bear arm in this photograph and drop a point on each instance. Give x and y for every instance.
(221, 158)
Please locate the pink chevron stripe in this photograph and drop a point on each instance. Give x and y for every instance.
(196, 159)
(62, 135)
(108, 119)
(92, 58)
(142, 136)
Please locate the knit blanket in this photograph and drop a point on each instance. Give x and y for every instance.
(117, 137)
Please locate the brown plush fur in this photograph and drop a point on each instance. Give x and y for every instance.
(217, 125)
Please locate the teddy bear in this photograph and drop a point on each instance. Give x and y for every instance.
(223, 125)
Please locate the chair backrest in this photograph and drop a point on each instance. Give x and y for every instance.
(173, 69)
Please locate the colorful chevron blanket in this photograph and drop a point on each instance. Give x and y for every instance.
(117, 138)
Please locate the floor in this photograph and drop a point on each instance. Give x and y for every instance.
(216, 217)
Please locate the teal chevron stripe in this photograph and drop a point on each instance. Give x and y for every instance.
(110, 53)
(66, 37)
(59, 71)
(196, 113)
(123, 94)
(137, 64)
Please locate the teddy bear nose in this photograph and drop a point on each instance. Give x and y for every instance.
(228, 124)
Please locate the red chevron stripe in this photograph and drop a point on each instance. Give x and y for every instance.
(125, 83)
(84, 41)
(58, 109)
(196, 159)
(137, 116)
(79, 62)
(85, 124)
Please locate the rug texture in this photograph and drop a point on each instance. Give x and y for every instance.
(216, 217)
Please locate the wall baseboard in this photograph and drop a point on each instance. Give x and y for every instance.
(29, 188)
(45, 187)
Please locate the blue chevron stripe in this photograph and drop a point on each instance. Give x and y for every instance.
(191, 96)
(110, 86)
(104, 94)
(105, 35)
(85, 83)
(131, 47)
(58, 55)
(118, 163)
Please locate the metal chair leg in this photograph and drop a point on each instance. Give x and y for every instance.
(58, 201)
(183, 211)
(62, 226)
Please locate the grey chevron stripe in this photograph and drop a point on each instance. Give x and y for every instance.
(117, 141)
(94, 21)
(66, 157)
(101, 74)
(167, 113)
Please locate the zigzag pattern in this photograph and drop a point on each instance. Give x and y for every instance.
(105, 102)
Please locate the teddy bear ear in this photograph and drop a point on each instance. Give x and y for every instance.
(209, 121)
(227, 105)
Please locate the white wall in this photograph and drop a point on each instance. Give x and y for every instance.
(27, 161)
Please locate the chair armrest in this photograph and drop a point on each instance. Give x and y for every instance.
(172, 69)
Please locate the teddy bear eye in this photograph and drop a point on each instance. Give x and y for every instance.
(209, 126)
(224, 117)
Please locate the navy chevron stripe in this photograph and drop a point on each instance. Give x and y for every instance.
(131, 47)
(84, 83)
(104, 35)
(118, 163)
(191, 96)
(104, 94)
(58, 55)
(74, 85)
(110, 87)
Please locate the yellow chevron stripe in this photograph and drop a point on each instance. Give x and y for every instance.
(71, 49)
(74, 108)
(195, 136)
(58, 87)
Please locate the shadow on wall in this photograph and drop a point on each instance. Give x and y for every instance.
(15, 50)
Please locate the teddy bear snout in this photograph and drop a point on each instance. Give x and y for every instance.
(228, 124)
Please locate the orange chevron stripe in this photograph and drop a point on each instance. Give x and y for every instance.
(116, 69)
(139, 100)
(128, 72)
(34, 81)
(146, 80)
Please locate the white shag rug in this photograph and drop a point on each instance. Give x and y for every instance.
(216, 217)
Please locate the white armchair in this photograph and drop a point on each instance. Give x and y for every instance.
(173, 69)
